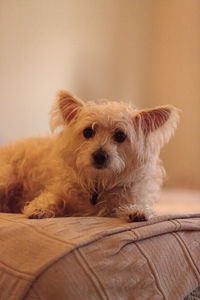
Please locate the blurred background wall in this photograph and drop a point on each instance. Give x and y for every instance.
(143, 51)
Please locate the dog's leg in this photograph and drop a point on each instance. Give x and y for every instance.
(44, 206)
(11, 189)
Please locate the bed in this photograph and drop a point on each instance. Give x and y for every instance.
(103, 258)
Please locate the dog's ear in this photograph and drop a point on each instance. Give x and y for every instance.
(151, 119)
(160, 121)
(64, 110)
(69, 105)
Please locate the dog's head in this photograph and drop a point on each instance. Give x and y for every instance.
(106, 141)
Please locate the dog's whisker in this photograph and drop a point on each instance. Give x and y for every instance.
(100, 203)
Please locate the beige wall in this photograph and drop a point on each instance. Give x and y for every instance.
(174, 77)
(147, 52)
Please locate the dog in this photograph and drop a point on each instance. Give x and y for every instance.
(102, 159)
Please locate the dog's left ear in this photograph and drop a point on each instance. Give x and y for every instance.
(69, 105)
(160, 121)
(65, 109)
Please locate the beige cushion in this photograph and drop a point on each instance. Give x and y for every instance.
(99, 258)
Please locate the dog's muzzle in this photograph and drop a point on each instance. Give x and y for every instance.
(100, 159)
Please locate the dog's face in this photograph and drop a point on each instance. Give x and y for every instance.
(106, 142)
(103, 139)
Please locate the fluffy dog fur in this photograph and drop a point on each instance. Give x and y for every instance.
(110, 169)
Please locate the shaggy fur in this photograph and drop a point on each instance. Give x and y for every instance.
(111, 170)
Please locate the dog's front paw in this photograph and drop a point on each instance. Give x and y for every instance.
(44, 206)
(38, 213)
(141, 214)
(135, 213)
(137, 216)
(41, 215)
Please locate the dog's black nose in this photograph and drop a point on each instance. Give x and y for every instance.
(100, 157)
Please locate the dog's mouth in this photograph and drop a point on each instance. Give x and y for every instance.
(99, 167)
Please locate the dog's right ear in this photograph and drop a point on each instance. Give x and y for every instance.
(65, 109)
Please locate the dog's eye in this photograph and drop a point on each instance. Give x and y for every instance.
(119, 136)
(88, 132)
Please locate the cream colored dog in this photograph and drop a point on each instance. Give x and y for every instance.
(103, 162)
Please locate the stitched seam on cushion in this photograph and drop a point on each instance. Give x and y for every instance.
(153, 271)
(54, 237)
(91, 274)
(133, 232)
(177, 225)
(37, 294)
(188, 255)
(13, 272)
(42, 232)
(33, 289)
